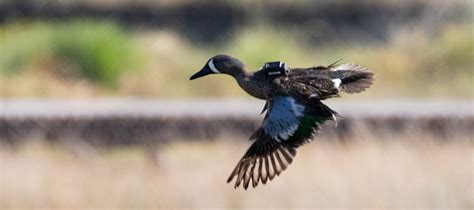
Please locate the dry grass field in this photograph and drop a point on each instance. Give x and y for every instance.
(403, 172)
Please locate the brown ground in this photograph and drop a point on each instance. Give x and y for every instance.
(396, 173)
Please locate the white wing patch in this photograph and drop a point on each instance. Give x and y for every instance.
(337, 82)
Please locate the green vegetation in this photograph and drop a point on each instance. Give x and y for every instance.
(411, 63)
(99, 51)
(102, 51)
(21, 44)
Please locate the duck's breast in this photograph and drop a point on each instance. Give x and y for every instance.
(253, 87)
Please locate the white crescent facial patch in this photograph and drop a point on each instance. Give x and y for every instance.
(212, 67)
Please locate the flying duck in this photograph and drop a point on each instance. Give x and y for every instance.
(294, 109)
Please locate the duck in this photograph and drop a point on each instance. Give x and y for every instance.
(294, 111)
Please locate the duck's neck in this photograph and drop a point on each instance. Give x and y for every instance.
(249, 84)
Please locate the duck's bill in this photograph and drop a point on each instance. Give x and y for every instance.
(203, 72)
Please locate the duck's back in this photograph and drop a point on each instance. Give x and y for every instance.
(325, 82)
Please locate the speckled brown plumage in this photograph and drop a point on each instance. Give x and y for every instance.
(294, 109)
(303, 82)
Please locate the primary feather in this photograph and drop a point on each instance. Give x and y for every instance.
(288, 124)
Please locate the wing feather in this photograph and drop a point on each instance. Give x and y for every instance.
(276, 141)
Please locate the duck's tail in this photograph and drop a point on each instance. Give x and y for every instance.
(353, 78)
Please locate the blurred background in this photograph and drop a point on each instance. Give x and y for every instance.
(97, 110)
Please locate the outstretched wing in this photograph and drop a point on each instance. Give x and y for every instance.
(288, 124)
(326, 82)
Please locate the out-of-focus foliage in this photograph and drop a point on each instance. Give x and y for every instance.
(412, 63)
(21, 44)
(99, 51)
(102, 51)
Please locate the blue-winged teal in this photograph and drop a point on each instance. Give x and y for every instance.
(295, 111)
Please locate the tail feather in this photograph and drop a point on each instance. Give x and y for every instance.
(354, 78)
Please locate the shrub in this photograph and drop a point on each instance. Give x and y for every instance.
(21, 44)
(102, 51)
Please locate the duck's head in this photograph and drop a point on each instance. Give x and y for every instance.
(221, 64)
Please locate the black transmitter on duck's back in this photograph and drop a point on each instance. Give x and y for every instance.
(275, 68)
